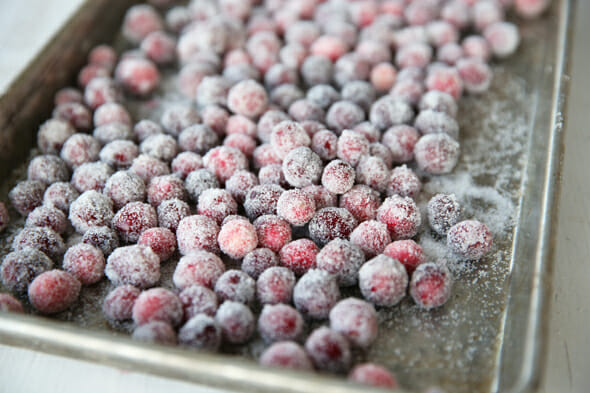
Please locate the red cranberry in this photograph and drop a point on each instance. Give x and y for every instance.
(89, 210)
(286, 136)
(103, 55)
(238, 124)
(272, 232)
(371, 236)
(259, 260)
(356, 320)
(133, 265)
(476, 75)
(237, 238)
(236, 322)
(401, 215)
(155, 332)
(302, 110)
(324, 144)
(186, 162)
(47, 216)
(329, 350)
(445, 79)
(119, 153)
(414, 55)
(53, 291)
(215, 118)
(371, 133)
(91, 71)
(10, 304)
(373, 172)
(264, 155)
(267, 123)
(383, 281)
(198, 267)
(197, 299)
(403, 182)
(138, 76)
(225, 161)
(159, 47)
(431, 285)
(338, 177)
(111, 132)
(469, 239)
(247, 98)
(449, 53)
(280, 322)
(162, 188)
(436, 153)
(60, 195)
(457, 13)
(201, 332)
(198, 181)
(296, 206)
(197, 233)
(323, 96)
(331, 223)
(240, 183)
(485, 13)
(371, 374)
(118, 304)
(157, 304)
(293, 55)
(362, 202)
(344, 115)
(389, 111)
(316, 293)
(43, 239)
(352, 146)
(329, 46)
(79, 149)
(85, 262)
(299, 255)
(53, 134)
(134, 218)
(19, 268)
(146, 128)
(171, 212)
(160, 146)
(408, 252)
(74, 114)
(141, 20)
(161, 240)
(91, 176)
(284, 95)
(103, 238)
(287, 355)
(111, 112)
(147, 167)
(275, 285)
(429, 122)
(197, 138)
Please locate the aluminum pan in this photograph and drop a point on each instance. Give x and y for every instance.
(514, 357)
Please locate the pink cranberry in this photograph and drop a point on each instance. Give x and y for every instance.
(103, 238)
(240, 183)
(356, 320)
(157, 304)
(146, 128)
(19, 268)
(141, 20)
(265, 155)
(486, 12)
(362, 202)
(262, 200)
(383, 281)
(302, 167)
(197, 232)
(329, 350)
(303, 109)
(383, 76)
(476, 75)
(197, 299)
(275, 285)
(440, 102)
(371, 236)
(163, 147)
(155, 332)
(99, 91)
(111, 112)
(53, 291)
(284, 95)
(431, 285)
(401, 215)
(331, 223)
(134, 218)
(119, 154)
(111, 132)
(470, 239)
(445, 79)
(85, 262)
(344, 115)
(237, 238)
(272, 174)
(247, 98)
(91, 71)
(171, 212)
(242, 142)
(258, 261)
(43, 239)
(91, 176)
(225, 161)
(217, 204)
(351, 147)
(329, 46)
(197, 138)
(186, 162)
(324, 144)
(369, 131)
(286, 136)
(414, 55)
(373, 172)
(267, 123)
(178, 117)
(162, 188)
(118, 304)
(338, 177)
(436, 153)
(47, 216)
(293, 55)
(280, 322)
(215, 117)
(9, 304)
(316, 293)
(75, 114)
(287, 355)
(133, 265)
(236, 322)
(68, 95)
(124, 187)
(342, 259)
(388, 111)
(457, 13)
(299, 255)
(272, 232)
(371, 374)
(147, 167)
(161, 240)
(403, 182)
(52, 135)
(79, 149)
(138, 76)
(449, 53)
(408, 252)
(159, 47)
(321, 196)
(296, 206)
(201, 332)
(103, 55)
(238, 124)
(199, 267)
(530, 8)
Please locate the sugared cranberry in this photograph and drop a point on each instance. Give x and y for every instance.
(134, 218)
(178, 117)
(171, 212)
(198, 181)
(10, 304)
(237, 238)
(371, 236)
(236, 322)
(60, 195)
(286, 94)
(302, 167)
(118, 304)
(53, 291)
(324, 144)
(224, 161)
(247, 98)
(303, 109)
(146, 128)
(197, 138)
(373, 172)
(141, 20)
(52, 135)
(389, 111)
(369, 131)
(161, 240)
(67, 95)
(199, 267)
(344, 115)
(163, 188)
(383, 281)
(147, 167)
(262, 200)
(329, 46)
(449, 53)
(371, 374)
(119, 153)
(329, 350)
(321, 196)
(476, 75)
(160, 146)
(530, 8)
(159, 47)
(74, 114)
(47, 216)
(19, 268)
(338, 177)
(352, 146)
(299, 255)
(403, 182)
(436, 153)
(401, 215)
(240, 183)
(356, 320)
(316, 70)
(316, 293)
(322, 95)
(287, 355)
(91, 71)
(43, 239)
(408, 252)
(133, 265)
(440, 102)
(139, 76)
(431, 285)
(197, 233)
(91, 176)
(155, 332)
(186, 162)
(79, 149)
(443, 212)
(383, 77)
(157, 304)
(331, 223)
(342, 259)
(470, 239)
(445, 79)
(272, 232)
(48, 169)
(201, 332)
(286, 136)
(275, 285)
(280, 322)
(296, 206)
(125, 187)
(99, 91)
(259, 260)
(103, 238)
(362, 202)
(85, 262)
(197, 299)
(112, 131)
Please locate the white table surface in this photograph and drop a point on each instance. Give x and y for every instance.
(24, 29)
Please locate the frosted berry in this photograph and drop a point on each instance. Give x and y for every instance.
(443, 212)
(530, 8)
(408, 252)
(331, 223)
(242, 142)
(374, 375)
(47, 216)
(119, 154)
(53, 291)
(118, 304)
(197, 138)
(52, 135)
(240, 183)
(159, 47)
(237, 238)
(299, 255)
(403, 182)
(176, 118)
(342, 259)
(476, 75)
(186, 162)
(199, 267)
(316, 293)
(440, 102)
(416, 54)
(485, 13)
(280, 322)
(431, 285)
(371, 236)
(91, 176)
(401, 215)
(338, 177)
(351, 147)
(236, 322)
(316, 70)
(344, 115)
(197, 299)
(258, 261)
(68, 94)
(163, 188)
(389, 111)
(112, 131)
(275, 285)
(302, 167)
(146, 128)
(155, 332)
(449, 53)
(103, 238)
(201, 332)
(272, 174)
(124, 187)
(99, 91)
(287, 355)
(303, 109)
(80, 148)
(383, 76)
(225, 161)
(383, 281)
(296, 206)
(85, 262)
(272, 232)
(436, 153)
(362, 202)
(262, 200)
(286, 136)
(161, 240)
(373, 172)
(43, 239)
(111, 112)
(10, 304)
(197, 232)
(141, 20)
(321, 196)
(356, 320)
(134, 218)
(469, 239)
(247, 98)
(215, 117)
(329, 46)
(133, 265)
(146, 167)
(329, 350)
(369, 131)
(445, 79)
(161, 146)
(198, 181)
(267, 123)
(48, 169)
(171, 212)
(19, 268)
(429, 122)
(322, 95)
(138, 76)
(74, 114)
(157, 304)
(286, 94)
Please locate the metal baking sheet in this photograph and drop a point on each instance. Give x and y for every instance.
(489, 337)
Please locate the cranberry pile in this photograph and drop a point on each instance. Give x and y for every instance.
(306, 131)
